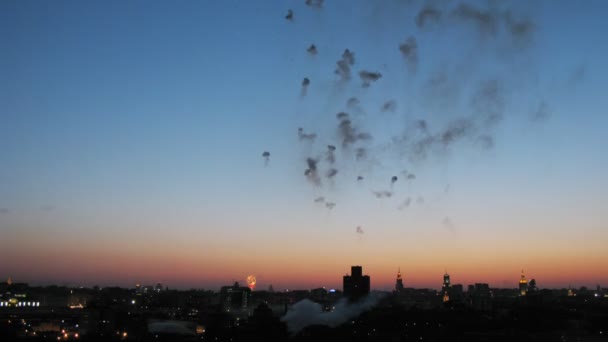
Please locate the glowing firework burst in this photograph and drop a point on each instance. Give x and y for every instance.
(251, 282)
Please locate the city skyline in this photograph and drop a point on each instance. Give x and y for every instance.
(197, 143)
(267, 283)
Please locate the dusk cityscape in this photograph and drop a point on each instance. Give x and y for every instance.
(303, 170)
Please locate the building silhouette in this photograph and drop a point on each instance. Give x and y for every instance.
(399, 282)
(235, 297)
(523, 284)
(446, 287)
(356, 285)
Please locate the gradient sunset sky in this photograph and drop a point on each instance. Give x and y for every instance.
(132, 136)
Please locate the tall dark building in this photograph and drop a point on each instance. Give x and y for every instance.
(399, 282)
(523, 284)
(446, 288)
(235, 297)
(356, 285)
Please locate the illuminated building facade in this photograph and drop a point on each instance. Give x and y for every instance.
(356, 285)
(446, 287)
(523, 284)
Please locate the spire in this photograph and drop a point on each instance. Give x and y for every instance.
(399, 273)
(9, 281)
(522, 280)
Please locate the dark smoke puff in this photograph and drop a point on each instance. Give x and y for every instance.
(457, 130)
(331, 173)
(427, 14)
(422, 126)
(352, 102)
(394, 179)
(519, 29)
(389, 106)
(409, 50)
(360, 153)
(312, 49)
(305, 84)
(289, 15)
(367, 77)
(359, 178)
(330, 156)
(315, 3)
(486, 21)
(342, 116)
(330, 205)
(304, 136)
(383, 194)
(311, 173)
(312, 164)
(266, 156)
(348, 57)
(344, 64)
(320, 199)
(343, 70)
(359, 230)
(363, 136)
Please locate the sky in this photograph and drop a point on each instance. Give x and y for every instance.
(132, 136)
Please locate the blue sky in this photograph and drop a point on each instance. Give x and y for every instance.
(150, 118)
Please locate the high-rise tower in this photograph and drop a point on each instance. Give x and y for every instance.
(356, 285)
(446, 281)
(523, 284)
(399, 282)
(446, 287)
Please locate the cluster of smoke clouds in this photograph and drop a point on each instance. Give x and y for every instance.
(348, 133)
(359, 230)
(306, 313)
(479, 97)
(487, 110)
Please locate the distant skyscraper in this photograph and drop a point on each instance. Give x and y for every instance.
(523, 284)
(356, 285)
(399, 282)
(446, 287)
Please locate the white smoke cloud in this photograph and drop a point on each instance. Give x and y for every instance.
(305, 313)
